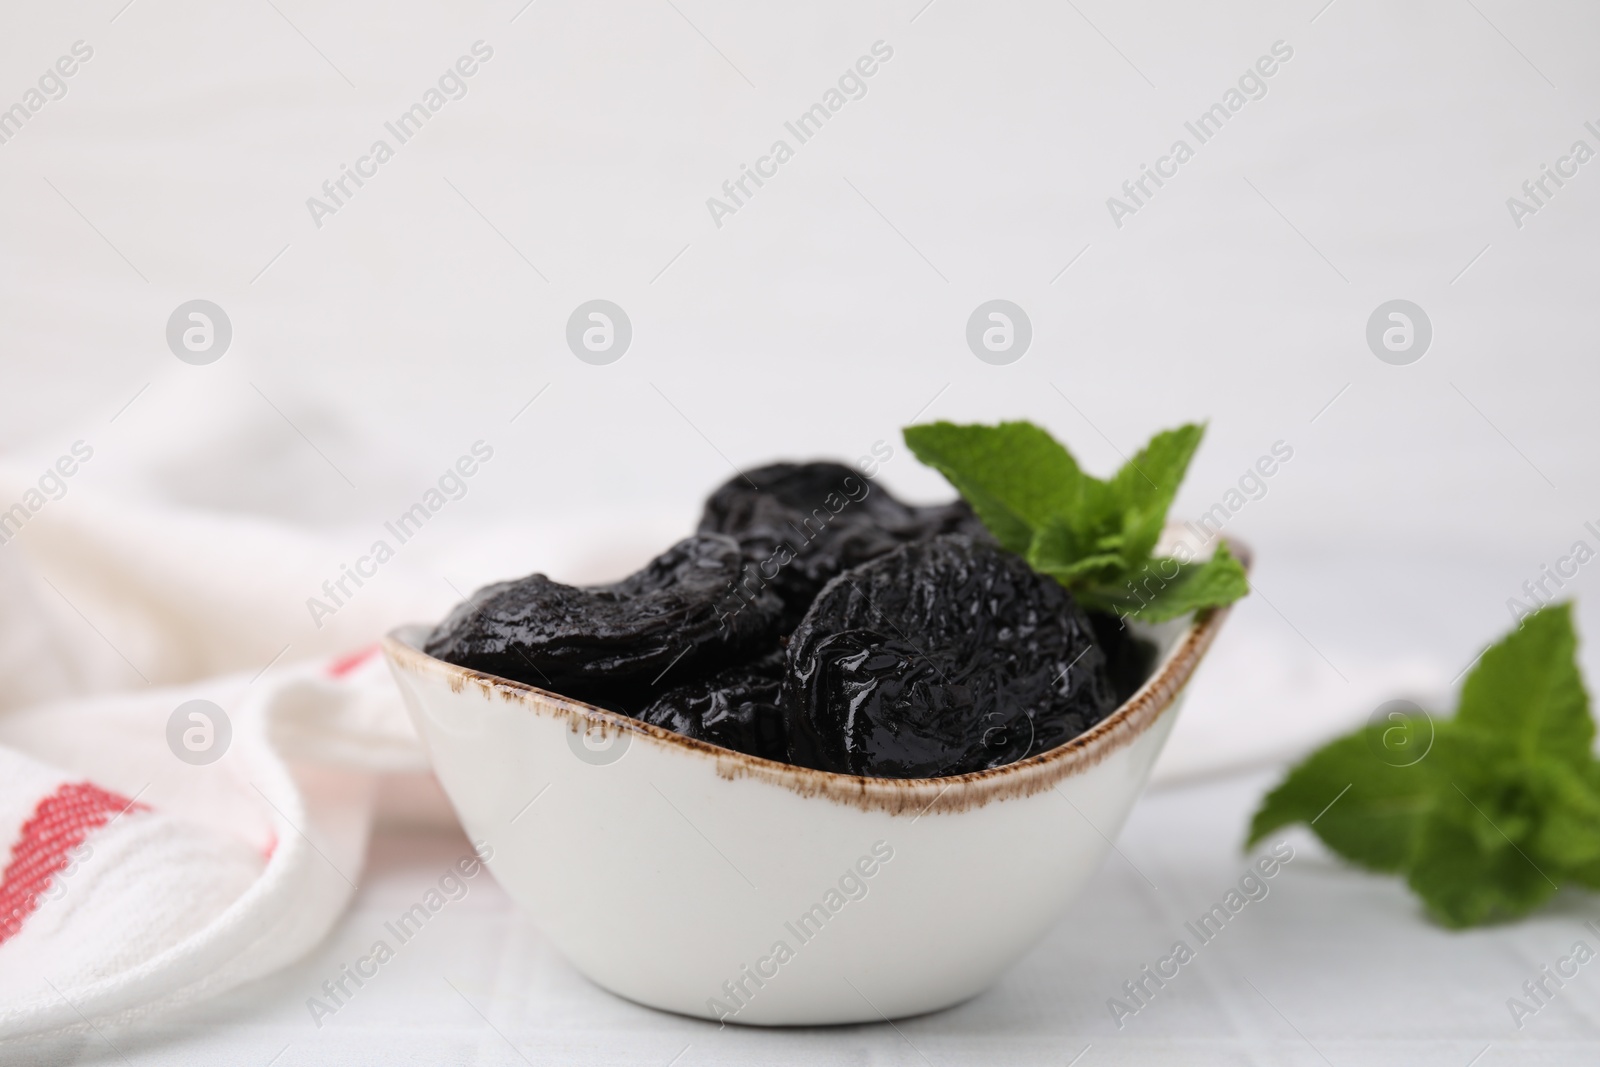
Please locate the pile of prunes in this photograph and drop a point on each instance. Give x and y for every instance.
(816, 620)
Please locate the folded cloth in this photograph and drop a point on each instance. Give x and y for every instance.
(187, 761)
(151, 882)
(147, 857)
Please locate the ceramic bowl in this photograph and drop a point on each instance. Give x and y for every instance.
(711, 883)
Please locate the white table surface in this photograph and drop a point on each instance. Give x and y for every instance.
(1334, 966)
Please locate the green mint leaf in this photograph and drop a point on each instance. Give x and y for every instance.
(1015, 475)
(1568, 833)
(1585, 872)
(1502, 808)
(1154, 474)
(1094, 537)
(1066, 554)
(1192, 587)
(1143, 489)
(1069, 574)
(1353, 796)
(1466, 876)
(1527, 691)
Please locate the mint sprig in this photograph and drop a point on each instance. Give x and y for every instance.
(1095, 537)
(1485, 814)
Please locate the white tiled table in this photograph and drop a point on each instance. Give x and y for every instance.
(1333, 966)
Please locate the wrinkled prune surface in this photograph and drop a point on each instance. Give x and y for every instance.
(943, 657)
(610, 644)
(802, 523)
(736, 708)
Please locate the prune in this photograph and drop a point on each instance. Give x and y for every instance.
(802, 523)
(956, 517)
(612, 643)
(1128, 656)
(943, 657)
(736, 708)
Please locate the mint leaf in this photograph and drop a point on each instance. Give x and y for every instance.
(1364, 808)
(1467, 878)
(1218, 580)
(1500, 810)
(1527, 690)
(1143, 489)
(1086, 567)
(1094, 537)
(1152, 598)
(1072, 557)
(1585, 872)
(1015, 475)
(1568, 835)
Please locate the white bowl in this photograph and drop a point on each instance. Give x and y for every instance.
(716, 884)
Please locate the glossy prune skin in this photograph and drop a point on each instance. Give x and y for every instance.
(612, 644)
(943, 657)
(736, 708)
(801, 524)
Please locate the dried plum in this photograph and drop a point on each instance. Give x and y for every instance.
(942, 657)
(736, 708)
(802, 523)
(1129, 657)
(919, 648)
(956, 517)
(612, 643)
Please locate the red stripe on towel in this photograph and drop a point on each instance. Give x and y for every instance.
(350, 661)
(59, 824)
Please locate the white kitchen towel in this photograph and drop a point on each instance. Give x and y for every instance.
(138, 880)
(187, 762)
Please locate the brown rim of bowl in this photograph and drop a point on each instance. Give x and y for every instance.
(896, 796)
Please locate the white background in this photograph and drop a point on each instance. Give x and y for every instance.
(831, 309)
(406, 327)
